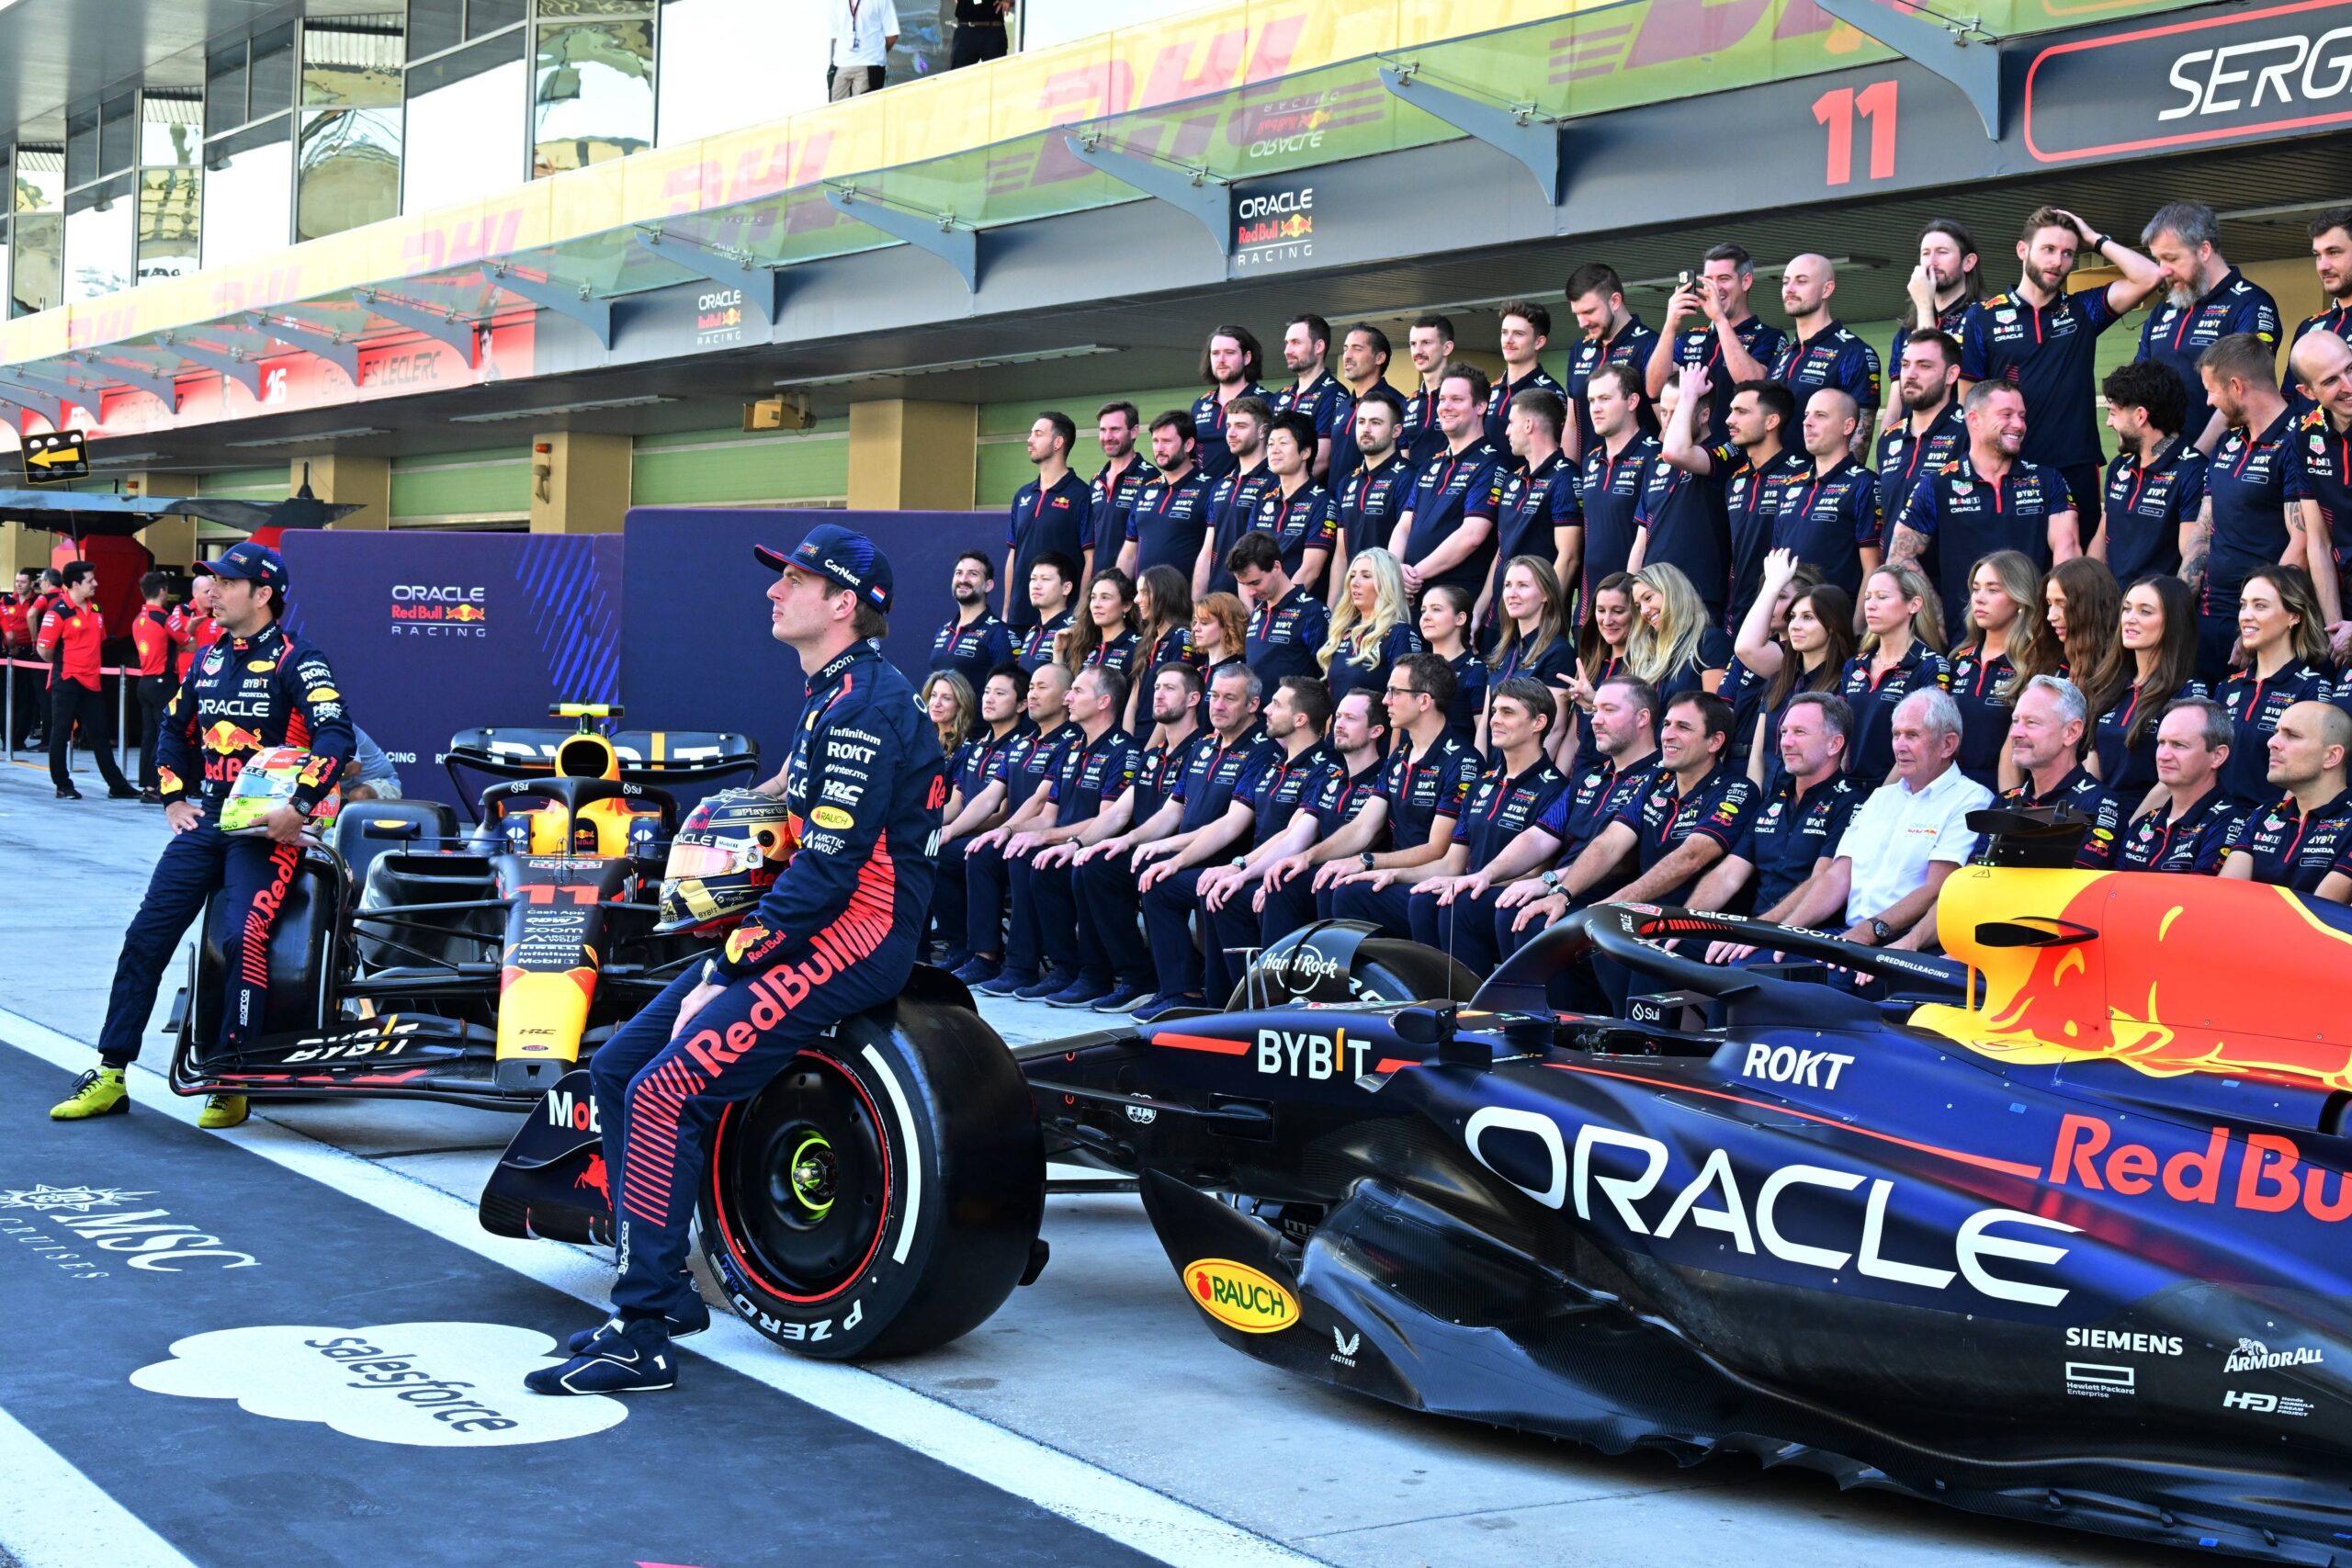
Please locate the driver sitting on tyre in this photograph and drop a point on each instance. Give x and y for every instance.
(836, 934)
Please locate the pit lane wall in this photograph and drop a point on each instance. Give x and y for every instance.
(431, 633)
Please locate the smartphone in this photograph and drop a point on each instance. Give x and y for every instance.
(1682, 278)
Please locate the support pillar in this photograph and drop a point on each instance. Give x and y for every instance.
(346, 477)
(171, 540)
(20, 547)
(586, 486)
(906, 456)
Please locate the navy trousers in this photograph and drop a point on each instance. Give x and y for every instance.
(252, 875)
(1109, 903)
(1386, 909)
(1464, 927)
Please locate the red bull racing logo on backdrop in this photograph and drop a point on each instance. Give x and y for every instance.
(1273, 226)
(421, 609)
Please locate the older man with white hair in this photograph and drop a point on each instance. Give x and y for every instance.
(1906, 838)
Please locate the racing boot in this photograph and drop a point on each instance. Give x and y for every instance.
(624, 1356)
(222, 1111)
(98, 1092)
(696, 1318)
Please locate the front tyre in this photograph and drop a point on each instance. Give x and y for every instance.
(882, 1194)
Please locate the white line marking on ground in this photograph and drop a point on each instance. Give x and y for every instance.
(51, 1516)
(1123, 1510)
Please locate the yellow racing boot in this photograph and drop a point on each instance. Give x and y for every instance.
(98, 1092)
(222, 1111)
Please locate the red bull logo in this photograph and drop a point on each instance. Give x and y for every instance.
(2168, 975)
(468, 613)
(2267, 1174)
(230, 740)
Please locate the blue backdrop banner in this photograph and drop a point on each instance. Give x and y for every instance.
(431, 633)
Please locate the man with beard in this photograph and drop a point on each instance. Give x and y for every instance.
(1230, 364)
(1990, 500)
(1756, 468)
(1123, 474)
(1363, 366)
(1235, 498)
(2320, 364)
(1928, 431)
(1822, 353)
(1314, 391)
(2206, 299)
(1612, 336)
(2156, 480)
(2331, 233)
(2042, 340)
(2251, 516)
(1170, 517)
(1947, 281)
(975, 641)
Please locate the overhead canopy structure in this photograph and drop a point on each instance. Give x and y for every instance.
(84, 516)
(1180, 111)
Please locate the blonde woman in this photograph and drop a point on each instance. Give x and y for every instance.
(1902, 625)
(1676, 645)
(2004, 604)
(1371, 627)
(947, 699)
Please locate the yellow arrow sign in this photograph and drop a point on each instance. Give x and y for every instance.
(50, 459)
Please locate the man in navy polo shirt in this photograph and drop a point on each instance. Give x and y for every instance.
(1753, 467)
(1447, 534)
(1616, 471)
(1731, 344)
(1625, 762)
(1431, 342)
(1364, 369)
(1947, 281)
(2297, 840)
(1274, 802)
(1170, 517)
(1053, 512)
(1299, 515)
(1231, 365)
(2155, 482)
(2186, 833)
(1287, 624)
(1789, 835)
(975, 642)
(1679, 520)
(1426, 784)
(1093, 771)
(1928, 431)
(2322, 367)
(1988, 499)
(1377, 491)
(1233, 498)
(1526, 328)
(1538, 514)
(1053, 584)
(1454, 911)
(1821, 352)
(2205, 300)
(1612, 336)
(2041, 340)
(1314, 391)
(2331, 233)
(2254, 484)
(1123, 474)
(1829, 515)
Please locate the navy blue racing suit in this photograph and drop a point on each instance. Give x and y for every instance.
(837, 934)
(241, 695)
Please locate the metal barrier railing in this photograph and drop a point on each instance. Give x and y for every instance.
(126, 752)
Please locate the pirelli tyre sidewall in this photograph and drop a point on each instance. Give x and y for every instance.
(882, 1195)
(1382, 969)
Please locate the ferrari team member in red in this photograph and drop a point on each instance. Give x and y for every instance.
(69, 635)
(254, 689)
(194, 626)
(836, 934)
(155, 635)
(16, 626)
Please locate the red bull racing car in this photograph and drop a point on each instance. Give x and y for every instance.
(2052, 1229)
(417, 956)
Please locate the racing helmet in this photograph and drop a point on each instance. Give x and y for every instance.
(724, 856)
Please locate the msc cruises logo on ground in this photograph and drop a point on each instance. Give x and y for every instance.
(1240, 1296)
(426, 609)
(1274, 225)
(41, 1198)
(436, 1385)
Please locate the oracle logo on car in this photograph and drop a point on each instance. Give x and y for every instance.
(1240, 1296)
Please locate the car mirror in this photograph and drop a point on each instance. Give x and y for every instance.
(393, 827)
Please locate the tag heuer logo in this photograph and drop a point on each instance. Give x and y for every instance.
(2005, 316)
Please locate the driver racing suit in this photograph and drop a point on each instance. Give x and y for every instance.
(837, 933)
(242, 696)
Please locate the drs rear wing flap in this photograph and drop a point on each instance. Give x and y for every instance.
(646, 756)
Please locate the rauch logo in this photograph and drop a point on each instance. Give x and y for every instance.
(1240, 1297)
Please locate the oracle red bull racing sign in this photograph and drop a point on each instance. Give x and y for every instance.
(425, 609)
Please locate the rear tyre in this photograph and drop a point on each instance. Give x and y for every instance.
(882, 1194)
(1383, 970)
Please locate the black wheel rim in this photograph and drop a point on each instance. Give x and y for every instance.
(807, 1178)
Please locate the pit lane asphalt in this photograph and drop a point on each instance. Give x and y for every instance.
(1102, 1360)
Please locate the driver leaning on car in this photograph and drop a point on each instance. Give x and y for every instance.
(836, 934)
(255, 688)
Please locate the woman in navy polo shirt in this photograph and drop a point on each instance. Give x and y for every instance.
(1796, 637)
(1534, 629)
(1902, 625)
(1676, 645)
(2158, 627)
(1371, 627)
(2004, 606)
(1445, 627)
(947, 699)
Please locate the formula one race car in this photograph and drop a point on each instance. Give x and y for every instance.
(2046, 1229)
(475, 965)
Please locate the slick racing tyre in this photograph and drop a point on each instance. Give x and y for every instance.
(882, 1195)
(1328, 964)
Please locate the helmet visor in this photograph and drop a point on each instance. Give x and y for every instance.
(716, 859)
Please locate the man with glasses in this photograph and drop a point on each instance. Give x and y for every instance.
(1428, 782)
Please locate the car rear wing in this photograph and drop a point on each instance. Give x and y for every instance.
(646, 756)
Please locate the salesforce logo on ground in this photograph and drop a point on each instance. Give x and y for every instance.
(439, 1385)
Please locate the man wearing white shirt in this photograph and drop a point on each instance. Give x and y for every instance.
(1905, 839)
(865, 32)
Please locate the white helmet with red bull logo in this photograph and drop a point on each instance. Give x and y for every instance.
(724, 856)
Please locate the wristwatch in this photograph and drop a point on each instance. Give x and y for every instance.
(1367, 858)
(1551, 882)
(1881, 930)
(1239, 862)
